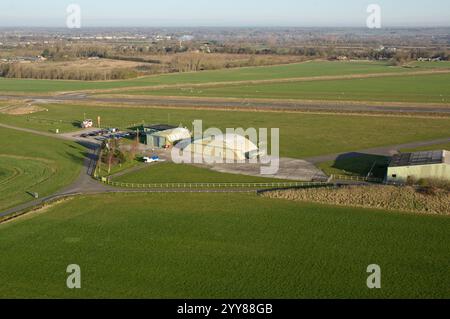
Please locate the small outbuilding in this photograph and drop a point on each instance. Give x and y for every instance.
(419, 165)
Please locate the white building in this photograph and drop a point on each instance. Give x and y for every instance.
(226, 146)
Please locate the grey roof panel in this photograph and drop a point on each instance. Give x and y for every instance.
(418, 158)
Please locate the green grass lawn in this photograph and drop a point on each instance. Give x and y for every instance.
(30, 163)
(318, 68)
(445, 146)
(178, 173)
(302, 135)
(420, 88)
(221, 246)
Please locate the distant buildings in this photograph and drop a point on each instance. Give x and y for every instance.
(24, 59)
(437, 59)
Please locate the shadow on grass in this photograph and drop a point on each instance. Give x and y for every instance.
(360, 164)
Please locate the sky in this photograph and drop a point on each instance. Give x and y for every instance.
(185, 13)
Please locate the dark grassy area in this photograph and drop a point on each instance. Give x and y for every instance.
(222, 246)
(357, 164)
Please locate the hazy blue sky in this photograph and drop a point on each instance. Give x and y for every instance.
(225, 12)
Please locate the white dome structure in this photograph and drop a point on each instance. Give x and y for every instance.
(226, 146)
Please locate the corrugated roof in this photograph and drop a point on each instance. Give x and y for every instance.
(418, 158)
(175, 135)
(229, 141)
(159, 127)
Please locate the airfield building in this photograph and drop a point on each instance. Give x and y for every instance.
(419, 165)
(226, 146)
(163, 136)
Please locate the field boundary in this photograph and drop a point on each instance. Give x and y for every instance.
(211, 185)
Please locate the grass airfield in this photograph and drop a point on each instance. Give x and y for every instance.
(221, 246)
(301, 135)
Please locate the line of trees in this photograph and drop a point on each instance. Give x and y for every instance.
(30, 71)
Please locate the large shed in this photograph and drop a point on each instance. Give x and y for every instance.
(226, 146)
(159, 136)
(419, 165)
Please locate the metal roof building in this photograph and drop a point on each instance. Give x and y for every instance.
(418, 165)
(226, 146)
(159, 136)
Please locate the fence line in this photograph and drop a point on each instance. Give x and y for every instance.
(356, 178)
(211, 185)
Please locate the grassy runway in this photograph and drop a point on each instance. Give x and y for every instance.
(420, 88)
(221, 246)
(302, 135)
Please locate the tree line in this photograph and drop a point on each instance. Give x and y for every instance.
(30, 71)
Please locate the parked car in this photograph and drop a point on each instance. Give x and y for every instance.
(152, 159)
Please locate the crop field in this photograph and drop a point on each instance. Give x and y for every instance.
(30, 163)
(301, 135)
(419, 88)
(221, 246)
(298, 70)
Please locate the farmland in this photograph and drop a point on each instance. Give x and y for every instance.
(301, 135)
(221, 246)
(420, 88)
(41, 164)
(299, 70)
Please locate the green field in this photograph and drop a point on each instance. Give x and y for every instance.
(445, 146)
(30, 163)
(340, 133)
(174, 173)
(302, 135)
(222, 246)
(318, 68)
(420, 88)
